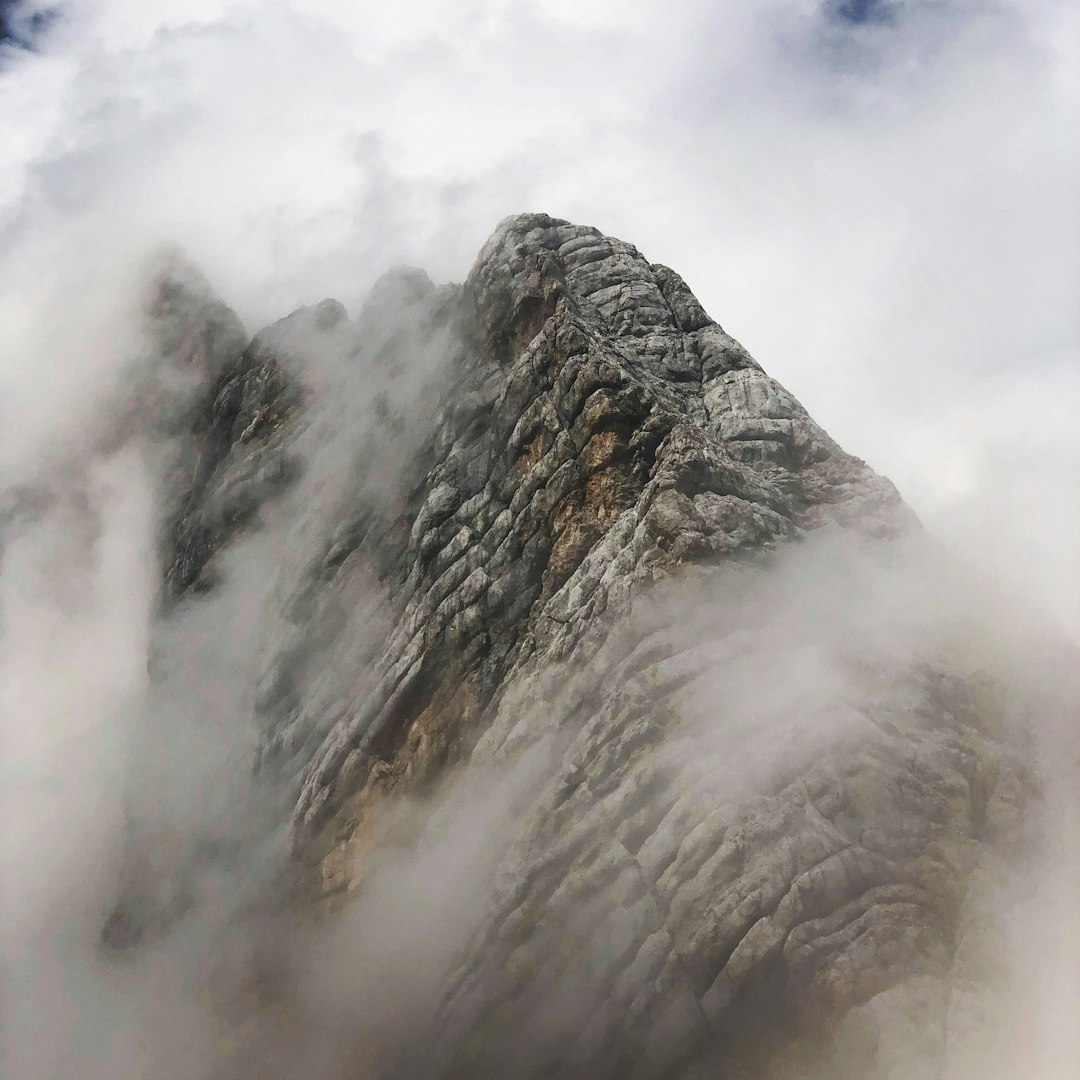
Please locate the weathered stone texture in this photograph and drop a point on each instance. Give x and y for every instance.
(605, 432)
(597, 441)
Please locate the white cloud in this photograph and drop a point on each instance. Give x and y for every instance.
(885, 214)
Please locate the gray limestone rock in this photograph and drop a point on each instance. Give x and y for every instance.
(752, 835)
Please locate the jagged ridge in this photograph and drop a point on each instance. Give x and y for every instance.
(602, 439)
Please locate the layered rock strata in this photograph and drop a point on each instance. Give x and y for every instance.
(596, 452)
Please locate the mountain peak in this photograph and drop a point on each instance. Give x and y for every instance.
(576, 530)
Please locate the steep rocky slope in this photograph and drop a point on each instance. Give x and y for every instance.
(746, 828)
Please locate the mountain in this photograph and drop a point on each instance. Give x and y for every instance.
(561, 624)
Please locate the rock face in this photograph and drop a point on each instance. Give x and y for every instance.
(570, 552)
(606, 432)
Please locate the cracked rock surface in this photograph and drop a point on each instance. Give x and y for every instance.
(604, 431)
(572, 548)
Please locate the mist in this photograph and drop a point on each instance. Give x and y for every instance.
(881, 207)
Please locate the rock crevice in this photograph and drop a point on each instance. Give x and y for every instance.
(580, 565)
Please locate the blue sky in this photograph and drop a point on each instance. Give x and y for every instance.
(861, 11)
(23, 23)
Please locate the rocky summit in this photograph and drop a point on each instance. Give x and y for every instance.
(551, 544)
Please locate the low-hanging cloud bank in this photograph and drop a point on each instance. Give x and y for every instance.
(883, 210)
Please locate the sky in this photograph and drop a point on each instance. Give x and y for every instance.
(877, 197)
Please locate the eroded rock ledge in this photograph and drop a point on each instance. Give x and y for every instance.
(598, 439)
(605, 431)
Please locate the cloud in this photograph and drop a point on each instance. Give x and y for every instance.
(22, 23)
(878, 198)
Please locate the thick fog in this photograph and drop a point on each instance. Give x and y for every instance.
(878, 199)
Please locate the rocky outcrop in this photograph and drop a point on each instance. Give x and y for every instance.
(594, 470)
(604, 431)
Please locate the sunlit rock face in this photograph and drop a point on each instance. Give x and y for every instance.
(556, 523)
